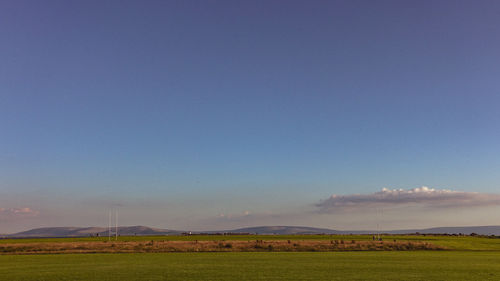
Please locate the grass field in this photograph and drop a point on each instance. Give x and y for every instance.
(419, 265)
(468, 258)
(451, 242)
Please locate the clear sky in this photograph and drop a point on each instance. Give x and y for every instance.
(222, 114)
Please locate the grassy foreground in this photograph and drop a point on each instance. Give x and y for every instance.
(416, 265)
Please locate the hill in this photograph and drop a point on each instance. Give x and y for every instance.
(283, 230)
(88, 231)
(482, 230)
(278, 230)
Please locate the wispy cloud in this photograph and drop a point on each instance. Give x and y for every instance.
(422, 196)
(17, 213)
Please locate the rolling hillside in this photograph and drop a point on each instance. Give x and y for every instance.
(278, 230)
(88, 231)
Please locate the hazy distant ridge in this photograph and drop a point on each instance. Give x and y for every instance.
(482, 230)
(87, 231)
(283, 230)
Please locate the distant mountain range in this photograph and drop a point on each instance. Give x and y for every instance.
(88, 231)
(482, 230)
(283, 230)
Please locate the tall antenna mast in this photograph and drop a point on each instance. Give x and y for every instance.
(109, 226)
(116, 225)
(379, 217)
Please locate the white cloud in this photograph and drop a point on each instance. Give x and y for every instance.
(17, 213)
(422, 196)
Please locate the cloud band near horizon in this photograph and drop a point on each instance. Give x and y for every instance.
(422, 196)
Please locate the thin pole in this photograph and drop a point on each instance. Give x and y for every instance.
(109, 226)
(379, 215)
(116, 225)
(378, 231)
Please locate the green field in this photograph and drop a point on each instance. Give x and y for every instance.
(469, 258)
(421, 265)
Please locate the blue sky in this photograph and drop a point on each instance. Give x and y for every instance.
(188, 114)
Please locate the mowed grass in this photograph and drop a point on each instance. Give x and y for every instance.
(414, 265)
(451, 242)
